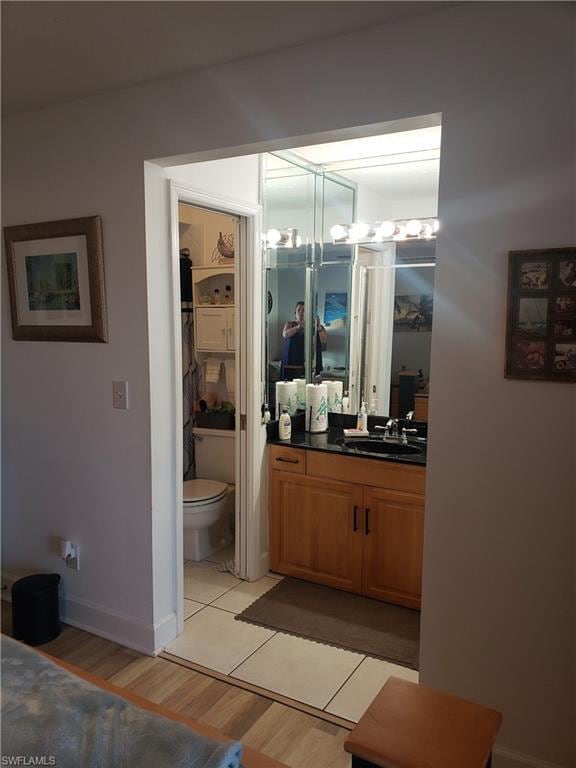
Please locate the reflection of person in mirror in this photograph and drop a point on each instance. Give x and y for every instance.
(293, 346)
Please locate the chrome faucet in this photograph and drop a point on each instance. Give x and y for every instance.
(406, 432)
(390, 430)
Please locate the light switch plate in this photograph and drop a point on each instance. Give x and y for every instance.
(120, 395)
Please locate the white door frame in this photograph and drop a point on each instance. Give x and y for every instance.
(251, 550)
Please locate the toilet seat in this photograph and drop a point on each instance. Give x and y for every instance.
(202, 491)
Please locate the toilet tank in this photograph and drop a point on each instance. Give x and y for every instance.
(215, 454)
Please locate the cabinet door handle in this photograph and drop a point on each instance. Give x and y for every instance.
(355, 523)
(366, 522)
(287, 461)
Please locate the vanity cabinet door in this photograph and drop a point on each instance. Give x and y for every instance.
(316, 530)
(393, 539)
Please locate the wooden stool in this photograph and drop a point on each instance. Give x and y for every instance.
(410, 726)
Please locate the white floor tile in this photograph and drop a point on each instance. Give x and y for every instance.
(228, 553)
(204, 583)
(216, 640)
(301, 669)
(354, 698)
(190, 608)
(239, 598)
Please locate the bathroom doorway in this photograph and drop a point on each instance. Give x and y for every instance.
(219, 422)
(207, 247)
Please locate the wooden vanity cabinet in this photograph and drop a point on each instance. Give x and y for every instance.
(316, 530)
(392, 562)
(364, 536)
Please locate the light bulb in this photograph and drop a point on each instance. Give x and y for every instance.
(427, 231)
(358, 230)
(386, 229)
(298, 241)
(436, 225)
(338, 232)
(413, 228)
(273, 237)
(400, 232)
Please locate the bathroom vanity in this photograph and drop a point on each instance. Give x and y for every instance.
(347, 519)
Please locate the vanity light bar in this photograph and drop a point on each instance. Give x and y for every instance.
(403, 229)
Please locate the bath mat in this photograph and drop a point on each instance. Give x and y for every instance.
(341, 619)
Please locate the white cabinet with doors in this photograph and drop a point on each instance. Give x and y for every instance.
(214, 329)
(214, 309)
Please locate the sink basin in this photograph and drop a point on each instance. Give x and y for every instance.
(377, 445)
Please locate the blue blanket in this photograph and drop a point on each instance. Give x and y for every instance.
(49, 712)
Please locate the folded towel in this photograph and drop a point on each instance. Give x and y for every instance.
(212, 366)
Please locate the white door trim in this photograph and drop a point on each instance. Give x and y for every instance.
(250, 442)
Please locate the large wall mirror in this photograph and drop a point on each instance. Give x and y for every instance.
(347, 305)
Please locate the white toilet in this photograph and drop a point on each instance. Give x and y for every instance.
(209, 499)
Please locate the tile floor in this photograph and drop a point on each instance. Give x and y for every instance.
(340, 682)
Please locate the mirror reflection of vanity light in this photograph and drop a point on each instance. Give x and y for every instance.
(288, 238)
(358, 232)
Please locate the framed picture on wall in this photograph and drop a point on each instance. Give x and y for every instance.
(541, 321)
(335, 307)
(56, 280)
(413, 313)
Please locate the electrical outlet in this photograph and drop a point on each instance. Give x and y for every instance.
(70, 553)
(74, 561)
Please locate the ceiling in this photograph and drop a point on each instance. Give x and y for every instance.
(56, 52)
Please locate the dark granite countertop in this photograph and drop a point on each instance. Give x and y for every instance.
(329, 441)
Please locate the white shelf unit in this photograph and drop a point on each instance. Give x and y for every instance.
(213, 322)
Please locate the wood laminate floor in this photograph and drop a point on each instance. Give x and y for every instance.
(295, 738)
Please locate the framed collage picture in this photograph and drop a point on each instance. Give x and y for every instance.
(541, 322)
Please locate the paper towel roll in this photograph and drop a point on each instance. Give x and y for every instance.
(301, 392)
(316, 407)
(334, 396)
(285, 397)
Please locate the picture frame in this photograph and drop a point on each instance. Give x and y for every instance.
(541, 315)
(413, 313)
(56, 280)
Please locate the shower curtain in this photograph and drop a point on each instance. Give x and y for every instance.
(189, 389)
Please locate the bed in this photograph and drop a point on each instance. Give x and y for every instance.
(54, 713)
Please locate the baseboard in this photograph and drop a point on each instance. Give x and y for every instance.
(110, 624)
(514, 759)
(165, 631)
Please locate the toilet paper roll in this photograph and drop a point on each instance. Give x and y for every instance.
(316, 407)
(300, 392)
(286, 397)
(334, 396)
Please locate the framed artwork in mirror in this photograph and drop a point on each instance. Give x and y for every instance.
(541, 321)
(56, 280)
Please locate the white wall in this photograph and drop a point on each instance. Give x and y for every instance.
(499, 544)
(392, 203)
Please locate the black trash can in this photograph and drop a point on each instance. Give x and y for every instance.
(35, 609)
